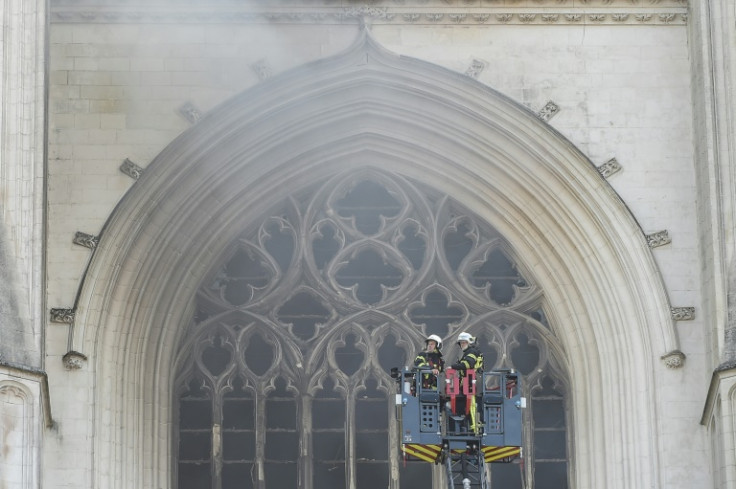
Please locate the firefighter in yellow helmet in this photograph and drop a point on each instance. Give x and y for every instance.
(431, 358)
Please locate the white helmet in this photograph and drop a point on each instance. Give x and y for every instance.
(465, 337)
(436, 339)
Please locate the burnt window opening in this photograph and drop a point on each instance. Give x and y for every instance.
(284, 373)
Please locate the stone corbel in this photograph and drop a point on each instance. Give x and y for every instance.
(190, 112)
(73, 360)
(660, 238)
(62, 315)
(673, 359)
(131, 169)
(609, 168)
(87, 240)
(683, 313)
(548, 111)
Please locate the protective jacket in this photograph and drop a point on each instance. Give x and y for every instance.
(471, 358)
(430, 359)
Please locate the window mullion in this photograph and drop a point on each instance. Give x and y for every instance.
(350, 440)
(260, 436)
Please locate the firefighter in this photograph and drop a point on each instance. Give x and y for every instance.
(470, 358)
(431, 357)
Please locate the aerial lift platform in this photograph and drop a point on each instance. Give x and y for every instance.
(462, 420)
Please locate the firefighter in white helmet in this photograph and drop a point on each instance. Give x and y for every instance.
(431, 358)
(471, 356)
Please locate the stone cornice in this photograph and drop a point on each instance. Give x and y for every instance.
(417, 12)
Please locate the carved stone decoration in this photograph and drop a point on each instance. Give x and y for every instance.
(660, 238)
(74, 360)
(527, 18)
(548, 111)
(87, 240)
(365, 12)
(411, 18)
(190, 112)
(262, 69)
(609, 168)
(62, 315)
(475, 68)
(683, 313)
(611, 12)
(131, 169)
(674, 359)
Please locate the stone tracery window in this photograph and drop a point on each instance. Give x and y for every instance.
(283, 379)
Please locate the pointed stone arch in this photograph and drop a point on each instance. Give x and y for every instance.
(604, 294)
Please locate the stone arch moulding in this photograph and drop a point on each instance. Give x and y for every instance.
(372, 110)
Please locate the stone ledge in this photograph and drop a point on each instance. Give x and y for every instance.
(463, 13)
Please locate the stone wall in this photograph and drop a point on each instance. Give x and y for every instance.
(120, 92)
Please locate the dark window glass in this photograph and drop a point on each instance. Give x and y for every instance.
(237, 476)
(238, 445)
(195, 413)
(238, 414)
(549, 444)
(194, 476)
(329, 475)
(280, 475)
(550, 475)
(371, 415)
(507, 476)
(328, 414)
(282, 446)
(415, 475)
(195, 445)
(280, 414)
(549, 413)
(371, 475)
(371, 446)
(329, 446)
